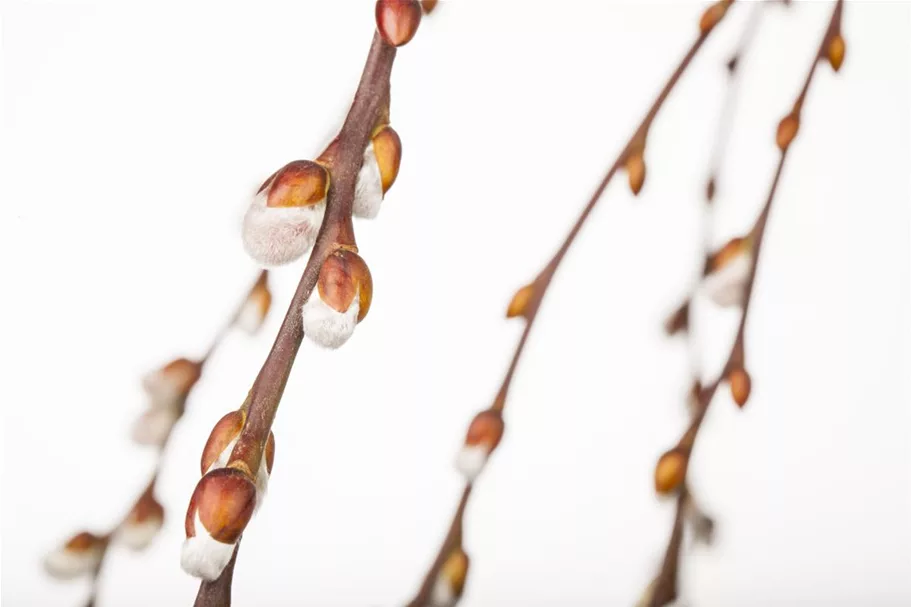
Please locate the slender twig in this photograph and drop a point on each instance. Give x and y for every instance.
(148, 491)
(665, 589)
(265, 395)
(537, 289)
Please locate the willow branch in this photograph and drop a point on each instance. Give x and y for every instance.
(665, 590)
(527, 300)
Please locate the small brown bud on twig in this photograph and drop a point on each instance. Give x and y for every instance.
(169, 385)
(340, 300)
(379, 170)
(836, 52)
(635, 171)
(286, 213)
(79, 556)
(670, 471)
(728, 271)
(712, 15)
(428, 5)
(220, 509)
(142, 524)
(679, 320)
(398, 20)
(787, 130)
(740, 385)
(518, 305)
(253, 313)
(450, 582)
(484, 434)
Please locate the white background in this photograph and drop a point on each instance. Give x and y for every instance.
(135, 133)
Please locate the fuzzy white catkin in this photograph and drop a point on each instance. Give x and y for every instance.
(66, 564)
(442, 594)
(138, 536)
(274, 236)
(251, 317)
(154, 426)
(368, 191)
(726, 285)
(326, 326)
(470, 461)
(204, 557)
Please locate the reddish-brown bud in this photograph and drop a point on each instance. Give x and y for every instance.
(670, 471)
(635, 171)
(732, 249)
(679, 320)
(251, 315)
(450, 583)
(226, 431)
(713, 15)
(740, 385)
(485, 429)
(223, 502)
(787, 130)
(428, 5)
(398, 20)
(80, 555)
(142, 524)
(518, 306)
(299, 183)
(387, 147)
(344, 274)
(836, 52)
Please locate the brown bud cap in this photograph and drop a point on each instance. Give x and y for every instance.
(182, 373)
(224, 500)
(713, 15)
(455, 570)
(299, 183)
(269, 453)
(428, 5)
(836, 52)
(740, 385)
(787, 130)
(670, 471)
(226, 430)
(730, 251)
(679, 320)
(84, 542)
(387, 147)
(485, 429)
(518, 306)
(147, 508)
(398, 20)
(343, 274)
(635, 171)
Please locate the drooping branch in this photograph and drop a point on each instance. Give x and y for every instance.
(831, 48)
(486, 429)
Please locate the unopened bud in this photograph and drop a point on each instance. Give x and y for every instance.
(251, 316)
(713, 15)
(285, 215)
(398, 20)
(670, 471)
(787, 130)
(729, 270)
(428, 5)
(679, 319)
(79, 556)
(220, 509)
(217, 452)
(836, 52)
(340, 300)
(169, 386)
(142, 524)
(635, 171)
(518, 306)
(379, 170)
(483, 436)
(450, 582)
(740, 385)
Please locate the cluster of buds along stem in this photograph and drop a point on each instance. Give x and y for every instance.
(167, 389)
(397, 21)
(79, 556)
(450, 582)
(142, 524)
(729, 270)
(253, 312)
(225, 499)
(285, 216)
(483, 436)
(340, 299)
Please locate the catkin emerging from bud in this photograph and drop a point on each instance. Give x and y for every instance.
(79, 556)
(142, 524)
(729, 271)
(379, 170)
(450, 582)
(483, 436)
(340, 300)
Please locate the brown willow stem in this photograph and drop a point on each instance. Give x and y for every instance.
(265, 396)
(666, 588)
(541, 284)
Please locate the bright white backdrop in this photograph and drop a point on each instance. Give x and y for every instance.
(135, 132)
